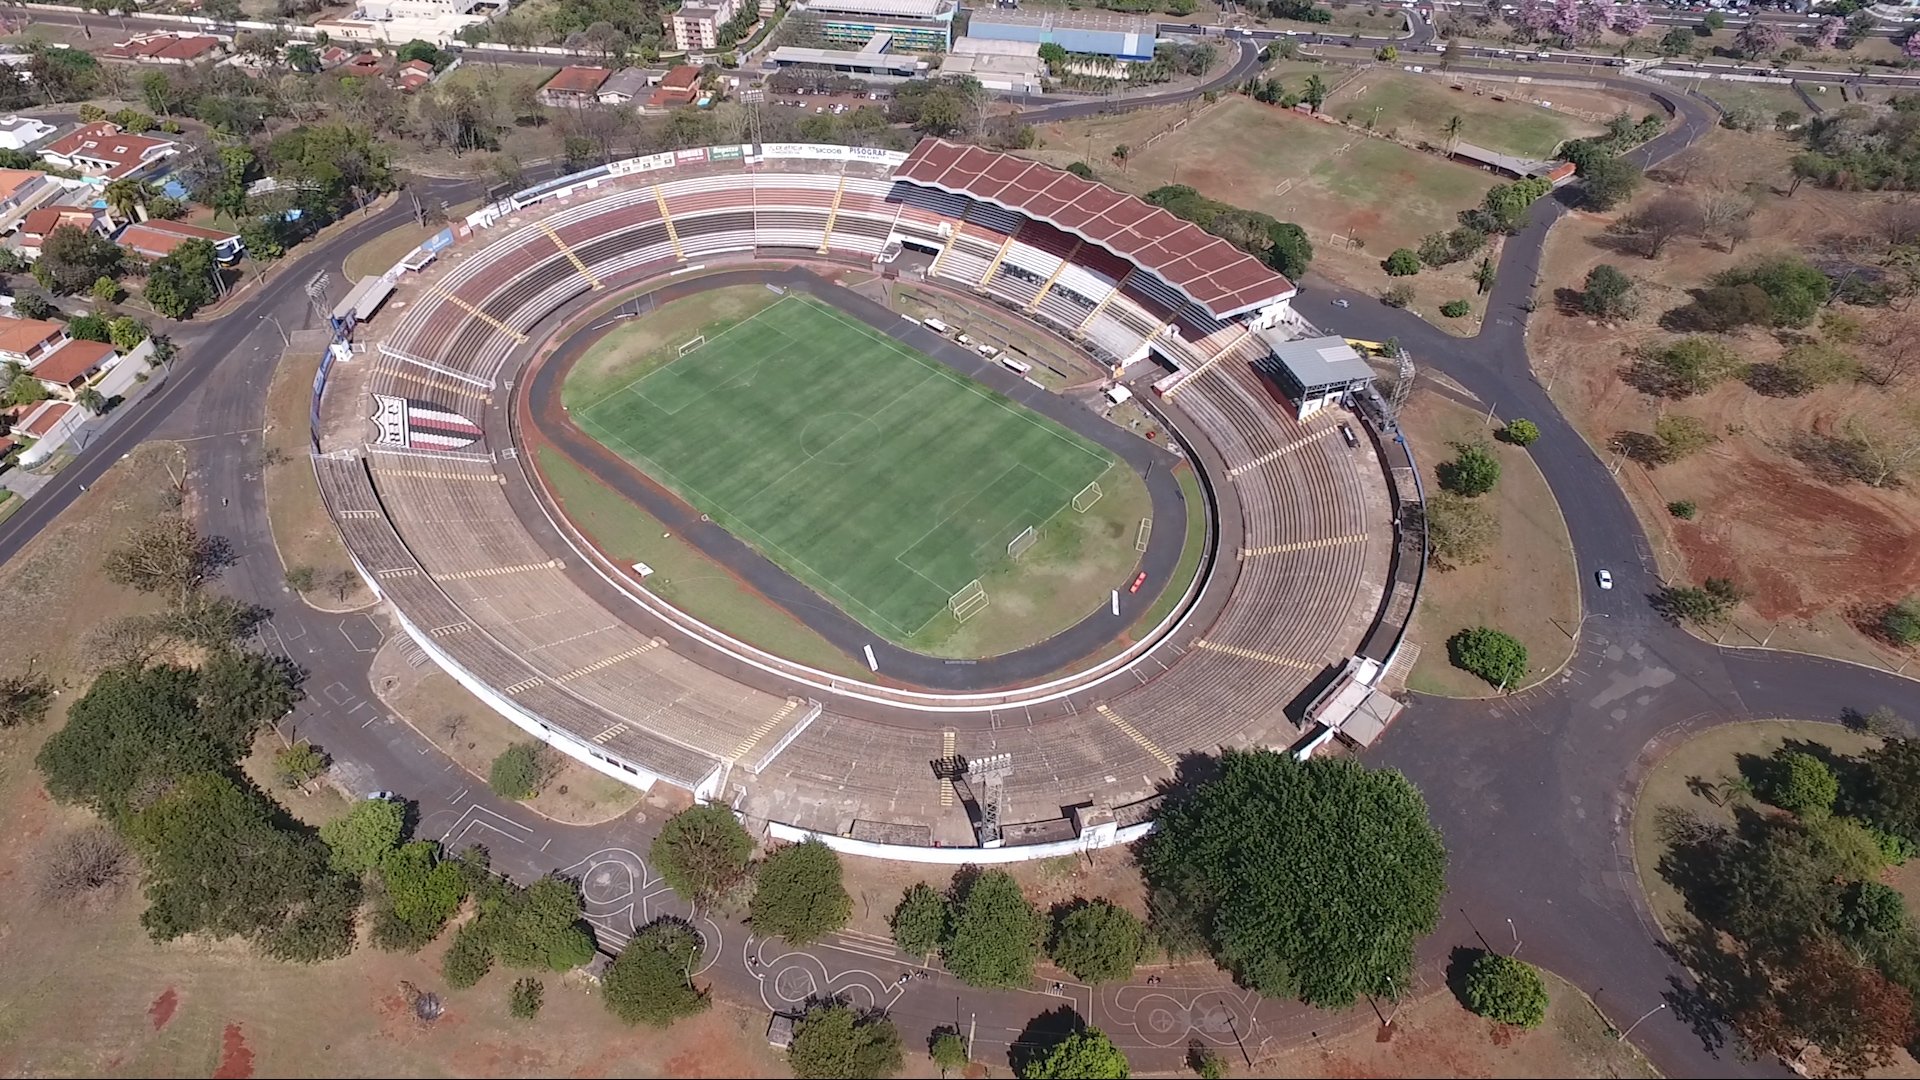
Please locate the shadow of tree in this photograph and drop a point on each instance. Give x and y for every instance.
(1043, 1033)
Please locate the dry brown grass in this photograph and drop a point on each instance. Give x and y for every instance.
(302, 531)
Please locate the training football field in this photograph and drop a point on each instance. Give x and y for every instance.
(881, 479)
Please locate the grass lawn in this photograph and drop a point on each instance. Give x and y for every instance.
(1768, 98)
(637, 346)
(1416, 106)
(1190, 551)
(1527, 585)
(302, 531)
(881, 479)
(377, 256)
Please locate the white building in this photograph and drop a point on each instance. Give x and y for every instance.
(696, 28)
(20, 132)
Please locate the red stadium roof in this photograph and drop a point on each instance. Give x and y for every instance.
(1208, 270)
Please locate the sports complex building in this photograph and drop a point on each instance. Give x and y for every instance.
(1252, 583)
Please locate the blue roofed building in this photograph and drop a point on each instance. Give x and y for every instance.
(1094, 33)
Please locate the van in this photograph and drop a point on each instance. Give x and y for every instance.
(964, 340)
(934, 325)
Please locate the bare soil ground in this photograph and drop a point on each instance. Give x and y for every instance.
(302, 531)
(466, 730)
(1819, 557)
(1526, 586)
(1409, 106)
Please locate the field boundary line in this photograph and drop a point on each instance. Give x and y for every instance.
(710, 339)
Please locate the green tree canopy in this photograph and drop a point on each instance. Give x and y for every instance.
(701, 851)
(1473, 471)
(359, 839)
(833, 1042)
(1097, 941)
(420, 891)
(1083, 1055)
(1497, 657)
(1801, 784)
(921, 920)
(1505, 989)
(648, 982)
(182, 282)
(1403, 262)
(1608, 181)
(797, 894)
(1608, 294)
(996, 931)
(1892, 787)
(1521, 432)
(134, 733)
(1259, 855)
(1796, 289)
(521, 770)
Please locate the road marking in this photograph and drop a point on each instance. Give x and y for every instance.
(1133, 733)
(1272, 455)
(1301, 545)
(1250, 654)
(785, 710)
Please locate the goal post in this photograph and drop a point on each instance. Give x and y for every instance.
(1087, 497)
(692, 345)
(971, 600)
(1018, 546)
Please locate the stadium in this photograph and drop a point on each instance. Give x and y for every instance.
(879, 486)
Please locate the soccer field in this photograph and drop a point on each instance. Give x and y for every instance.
(881, 479)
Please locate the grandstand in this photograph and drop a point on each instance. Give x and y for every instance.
(500, 589)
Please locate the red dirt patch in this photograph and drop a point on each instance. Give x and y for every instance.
(162, 1008)
(236, 1059)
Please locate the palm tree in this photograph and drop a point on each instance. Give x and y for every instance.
(125, 196)
(1316, 92)
(91, 400)
(1453, 134)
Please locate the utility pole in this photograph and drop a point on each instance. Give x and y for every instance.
(1637, 1023)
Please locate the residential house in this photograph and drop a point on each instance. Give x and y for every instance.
(158, 239)
(68, 369)
(680, 87)
(20, 132)
(623, 87)
(28, 341)
(38, 224)
(333, 56)
(51, 424)
(104, 152)
(167, 48)
(365, 65)
(21, 190)
(412, 75)
(573, 85)
(697, 26)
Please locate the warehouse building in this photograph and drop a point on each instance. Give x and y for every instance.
(1095, 33)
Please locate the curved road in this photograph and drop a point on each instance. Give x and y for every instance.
(1532, 791)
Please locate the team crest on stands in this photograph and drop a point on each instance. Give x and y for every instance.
(421, 425)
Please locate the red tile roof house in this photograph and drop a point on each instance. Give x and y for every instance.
(102, 150)
(363, 65)
(167, 49)
(52, 423)
(28, 341)
(574, 86)
(412, 75)
(333, 56)
(38, 224)
(158, 239)
(65, 371)
(680, 87)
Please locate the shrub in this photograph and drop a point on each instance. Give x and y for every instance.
(298, 764)
(1497, 657)
(525, 998)
(1521, 432)
(1402, 263)
(468, 959)
(1684, 509)
(1795, 289)
(647, 983)
(1689, 366)
(522, 770)
(1397, 296)
(86, 870)
(1708, 604)
(1608, 294)
(1097, 942)
(1800, 784)
(1456, 309)
(1901, 621)
(835, 1041)
(1507, 990)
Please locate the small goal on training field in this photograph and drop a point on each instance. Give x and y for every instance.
(1087, 497)
(1018, 546)
(969, 601)
(692, 345)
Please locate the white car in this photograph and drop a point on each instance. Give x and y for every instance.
(1604, 578)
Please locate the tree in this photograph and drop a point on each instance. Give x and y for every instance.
(521, 770)
(359, 839)
(921, 920)
(1315, 93)
(1398, 296)
(1081, 169)
(1291, 252)
(126, 333)
(106, 291)
(996, 931)
(1453, 128)
(1473, 471)
(1713, 22)
(1083, 1055)
(1684, 509)
(1827, 999)
(1801, 784)
(1692, 365)
(1891, 787)
(1679, 436)
(1507, 990)
(85, 869)
(1648, 229)
(1505, 207)
(133, 734)
(1456, 309)
(183, 282)
(419, 892)
(24, 699)
(1609, 181)
(649, 982)
(798, 895)
(1796, 290)
(1521, 432)
(29, 306)
(72, 259)
(948, 1050)
(1459, 529)
(1484, 276)
(701, 851)
(299, 764)
(833, 1042)
(89, 328)
(1676, 42)
(1757, 39)
(1259, 853)
(525, 998)
(1402, 263)
(1096, 941)
(1497, 657)
(1900, 623)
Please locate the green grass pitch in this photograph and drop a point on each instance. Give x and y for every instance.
(875, 475)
